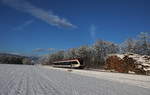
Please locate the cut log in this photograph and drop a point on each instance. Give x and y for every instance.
(126, 63)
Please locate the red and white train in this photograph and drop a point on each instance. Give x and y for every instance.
(69, 63)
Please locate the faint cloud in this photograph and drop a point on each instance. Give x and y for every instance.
(22, 26)
(39, 50)
(14, 53)
(93, 32)
(50, 49)
(48, 17)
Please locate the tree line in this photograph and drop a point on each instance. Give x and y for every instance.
(94, 55)
(14, 59)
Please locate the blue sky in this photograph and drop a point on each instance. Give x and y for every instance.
(28, 25)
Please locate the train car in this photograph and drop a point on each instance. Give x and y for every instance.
(69, 63)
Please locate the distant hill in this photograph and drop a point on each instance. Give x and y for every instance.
(6, 58)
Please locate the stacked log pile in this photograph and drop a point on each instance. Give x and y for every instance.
(126, 63)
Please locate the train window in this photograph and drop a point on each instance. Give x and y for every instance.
(74, 62)
(66, 63)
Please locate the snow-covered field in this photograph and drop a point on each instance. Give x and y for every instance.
(38, 80)
(135, 80)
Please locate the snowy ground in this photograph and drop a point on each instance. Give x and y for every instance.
(38, 80)
(135, 80)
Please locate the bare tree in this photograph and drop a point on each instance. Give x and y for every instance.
(102, 48)
(71, 53)
(143, 44)
(128, 45)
